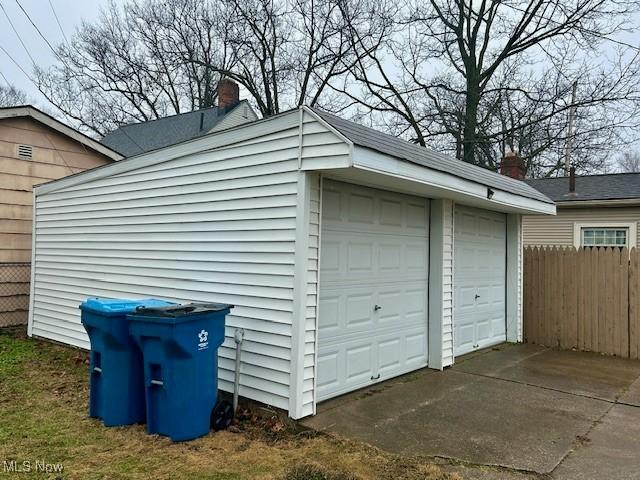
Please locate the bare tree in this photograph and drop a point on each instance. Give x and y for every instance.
(146, 59)
(139, 61)
(286, 53)
(10, 96)
(450, 70)
(629, 162)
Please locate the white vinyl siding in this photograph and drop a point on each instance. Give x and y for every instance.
(218, 225)
(559, 230)
(447, 284)
(311, 310)
(519, 271)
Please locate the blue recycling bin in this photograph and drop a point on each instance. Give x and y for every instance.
(116, 376)
(180, 354)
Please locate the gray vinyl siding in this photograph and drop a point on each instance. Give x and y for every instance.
(218, 225)
(558, 230)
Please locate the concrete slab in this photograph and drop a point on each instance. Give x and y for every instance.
(612, 449)
(467, 417)
(632, 395)
(578, 373)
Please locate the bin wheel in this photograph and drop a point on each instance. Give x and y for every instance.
(221, 416)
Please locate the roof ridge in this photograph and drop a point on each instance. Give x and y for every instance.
(177, 115)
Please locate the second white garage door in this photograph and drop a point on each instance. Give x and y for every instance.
(373, 287)
(479, 279)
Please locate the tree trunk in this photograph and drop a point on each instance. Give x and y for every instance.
(469, 134)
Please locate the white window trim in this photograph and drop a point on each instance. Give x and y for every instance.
(632, 227)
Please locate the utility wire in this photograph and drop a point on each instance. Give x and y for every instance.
(5, 78)
(58, 21)
(63, 60)
(36, 27)
(17, 34)
(15, 62)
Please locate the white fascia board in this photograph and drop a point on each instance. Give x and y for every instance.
(367, 159)
(29, 111)
(202, 144)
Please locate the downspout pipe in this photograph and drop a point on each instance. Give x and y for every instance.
(238, 337)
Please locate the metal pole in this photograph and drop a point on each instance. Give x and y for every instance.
(238, 337)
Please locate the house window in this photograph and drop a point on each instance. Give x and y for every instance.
(605, 237)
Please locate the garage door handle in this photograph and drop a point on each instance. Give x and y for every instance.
(477, 296)
(376, 377)
(376, 308)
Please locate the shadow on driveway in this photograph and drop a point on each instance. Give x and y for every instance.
(517, 406)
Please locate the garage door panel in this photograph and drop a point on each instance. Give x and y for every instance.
(330, 315)
(390, 212)
(378, 254)
(479, 279)
(350, 311)
(357, 257)
(330, 259)
(358, 311)
(359, 359)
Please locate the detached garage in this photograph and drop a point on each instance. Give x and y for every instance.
(351, 256)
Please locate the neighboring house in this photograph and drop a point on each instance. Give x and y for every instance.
(602, 210)
(137, 138)
(351, 256)
(34, 148)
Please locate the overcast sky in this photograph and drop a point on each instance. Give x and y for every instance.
(70, 13)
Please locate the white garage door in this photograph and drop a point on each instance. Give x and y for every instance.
(373, 287)
(479, 279)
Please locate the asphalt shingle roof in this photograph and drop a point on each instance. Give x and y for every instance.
(137, 138)
(410, 152)
(617, 186)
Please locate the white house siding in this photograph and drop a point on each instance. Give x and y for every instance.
(219, 225)
(558, 230)
(447, 283)
(311, 311)
(519, 322)
(441, 284)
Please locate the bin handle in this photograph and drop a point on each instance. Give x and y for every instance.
(97, 369)
(157, 382)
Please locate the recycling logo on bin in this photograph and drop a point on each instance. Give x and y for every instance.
(203, 336)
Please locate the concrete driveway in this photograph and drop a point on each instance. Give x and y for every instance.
(526, 408)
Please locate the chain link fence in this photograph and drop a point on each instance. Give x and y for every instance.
(14, 293)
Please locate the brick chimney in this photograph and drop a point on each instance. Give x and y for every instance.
(512, 165)
(228, 93)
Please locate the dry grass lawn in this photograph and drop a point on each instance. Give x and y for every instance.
(43, 416)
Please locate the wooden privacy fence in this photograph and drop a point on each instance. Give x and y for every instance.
(585, 299)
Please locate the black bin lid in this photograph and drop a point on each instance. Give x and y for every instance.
(175, 311)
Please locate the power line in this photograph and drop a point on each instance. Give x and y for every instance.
(5, 78)
(58, 21)
(17, 34)
(15, 62)
(36, 27)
